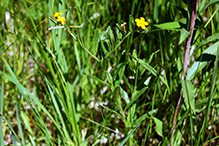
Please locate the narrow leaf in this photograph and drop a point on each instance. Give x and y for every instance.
(169, 26)
(199, 65)
(189, 93)
(153, 71)
(95, 41)
(126, 139)
(210, 39)
(183, 35)
(159, 126)
(211, 2)
(137, 94)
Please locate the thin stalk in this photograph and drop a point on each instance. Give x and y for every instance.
(185, 64)
(61, 27)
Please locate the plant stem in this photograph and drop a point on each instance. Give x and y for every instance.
(185, 64)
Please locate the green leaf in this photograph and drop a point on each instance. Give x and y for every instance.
(169, 26)
(105, 63)
(204, 102)
(196, 67)
(77, 54)
(177, 138)
(211, 93)
(24, 92)
(153, 71)
(132, 62)
(127, 137)
(84, 27)
(212, 49)
(53, 19)
(12, 130)
(211, 2)
(183, 35)
(1, 109)
(137, 94)
(131, 114)
(131, 23)
(99, 80)
(189, 94)
(120, 29)
(210, 39)
(95, 41)
(199, 65)
(85, 143)
(143, 117)
(159, 126)
(156, 11)
(113, 111)
(19, 124)
(124, 95)
(202, 5)
(81, 38)
(116, 92)
(119, 73)
(111, 38)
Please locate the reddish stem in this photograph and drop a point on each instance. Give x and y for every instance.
(185, 64)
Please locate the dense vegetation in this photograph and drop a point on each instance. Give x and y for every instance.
(109, 72)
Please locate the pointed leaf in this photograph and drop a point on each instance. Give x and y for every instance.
(131, 23)
(210, 39)
(199, 65)
(126, 139)
(183, 35)
(189, 94)
(124, 95)
(120, 29)
(159, 126)
(211, 2)
(137, 94)
(153, 71)
(95, 41)
(169, 26)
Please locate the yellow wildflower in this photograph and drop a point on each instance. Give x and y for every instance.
(57, 15)
(141, 23)
(58, 18)
(61, 20)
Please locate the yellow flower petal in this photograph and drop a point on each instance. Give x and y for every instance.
(61, 20)
(142, 19)
(146, 23)
(137, 20)
(143, 27)
(57, 14)
(141, 22)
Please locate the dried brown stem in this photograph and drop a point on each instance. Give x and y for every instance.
(61, 27)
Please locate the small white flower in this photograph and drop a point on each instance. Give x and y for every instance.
(95, 16)
(7, 16)
(92, 104)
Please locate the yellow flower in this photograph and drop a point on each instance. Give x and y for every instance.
(57, 14)
(141, 23)
(58, 18)
(61, 20)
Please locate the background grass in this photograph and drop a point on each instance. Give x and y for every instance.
(100, 85)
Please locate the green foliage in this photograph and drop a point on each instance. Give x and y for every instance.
(102, 80)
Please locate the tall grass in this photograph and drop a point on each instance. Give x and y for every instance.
(92, 82)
